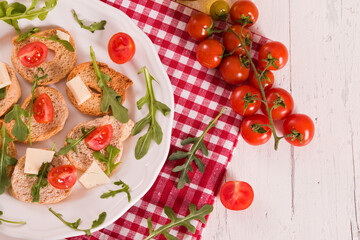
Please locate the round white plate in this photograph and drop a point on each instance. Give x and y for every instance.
(138, 174)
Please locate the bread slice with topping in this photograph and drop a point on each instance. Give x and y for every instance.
(57, 68)
(12, 92)
(84, 156)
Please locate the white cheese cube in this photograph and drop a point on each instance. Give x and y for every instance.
(62, 35)
(4, 76)
(78, 89)
(93, 176)
(35, 158)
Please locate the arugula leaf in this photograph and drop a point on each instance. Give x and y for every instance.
(186, 221)
(5, 159)
(41, 181)
(154, 130)
(20, 130)
(112, 152)
(75, 225)
(93, 27)
(110, 98)
(198, 143)
(2, 93)
(72, 144)
(67, 45)
(112, 193)
(27, 34)
(8, 221)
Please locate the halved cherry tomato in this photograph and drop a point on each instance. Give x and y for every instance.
(62, 177)
(231, 41)
(245, 95)
(283, 100)
(121, 48)
(100, 137)
(33, 54)
(43, 109)
(252, 130)
(233, 71)
(267, 82)
(199, 26)
(244, 10)
(236, 195)
(277, 51)
(209, 53)
(301, 127)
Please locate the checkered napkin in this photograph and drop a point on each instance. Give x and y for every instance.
(199, 95)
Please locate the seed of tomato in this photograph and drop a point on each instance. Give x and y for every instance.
(209, 53)
(199, 26)
(243, 100)
(282, 100)
(301, 127)
(232, 42)
(277, 50)
(267, 82)
(233, 71)
(253, 131)
(244, 9)
(236, 195)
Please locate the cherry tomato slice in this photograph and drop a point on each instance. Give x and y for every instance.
(121, 48)
(62, 177)
(236, 195)
(233, 71)
(33, 54)
(199, 26)
(278, 94)
(100, 137)
(244, 8)
(299, 124)
(43, 109)
(242, 95)
(277, 50)
(209, 53)
(232, 42)
(251, 130)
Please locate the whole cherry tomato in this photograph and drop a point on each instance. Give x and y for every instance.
(209, 53)
(243, 100)
(62, 177)
(278, 51)
(199, 26)
(233, 71)
(267, 81)
(282, 100)
(236, 195)
(121, 48)
(232, 42)
(301, 127)
(244, 11)
(43, 109)
(252, 131)
(100, 137)
(219, 10)
(33, 54)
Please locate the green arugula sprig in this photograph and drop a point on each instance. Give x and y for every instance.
(2, 93)
(186, 221)
(8, 221)
(11, 13)
(72, 143)
(41, 181)
(154, 130)
(198, 143)
(27, 34)
(93, 27)
(75, 225)
(109, 98)
(112, 152)
(124, 188)
(5, 159)
(20, 130)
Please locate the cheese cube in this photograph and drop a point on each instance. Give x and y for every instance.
(78, 89)
(93, 176)
(62, 35)
(4, 76)
(35, 158)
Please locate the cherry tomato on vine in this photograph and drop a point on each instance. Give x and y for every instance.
(236, 195)
(278, 51)
(62, 177)
(100, 137)
(121, 48)
(244, 11)
(267, 82)
(33, 54)
(232, 42)
(233, 71)
(43, 109)
(252, 131)
(219, 10)
(301, 127)
(199, 26)
(209, 53)
(282, 100)
(243, 100)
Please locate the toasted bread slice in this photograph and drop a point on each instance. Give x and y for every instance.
(84, 158)
(21, 184)
(57, 69)
(92, 106)
(13, 92)
(43, 131)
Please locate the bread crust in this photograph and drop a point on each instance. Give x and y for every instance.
(13, 92)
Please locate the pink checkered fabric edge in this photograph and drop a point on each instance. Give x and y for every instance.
(199, 95)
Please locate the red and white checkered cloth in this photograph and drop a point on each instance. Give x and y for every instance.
(199, 95)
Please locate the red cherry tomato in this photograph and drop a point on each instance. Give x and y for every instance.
(282, 97)
(252, 132)
(236, 195)
(62, 177)
(245, 94)
(231, 41)
(33, 54)
(100, 137)
(209, 53)
(266, 82)
(232, 71)
(199, 26)
(244, 8)
(43, 109)
(301, 126)
(121, 48)
(277, 50)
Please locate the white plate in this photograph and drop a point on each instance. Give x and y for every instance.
(138, 174)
